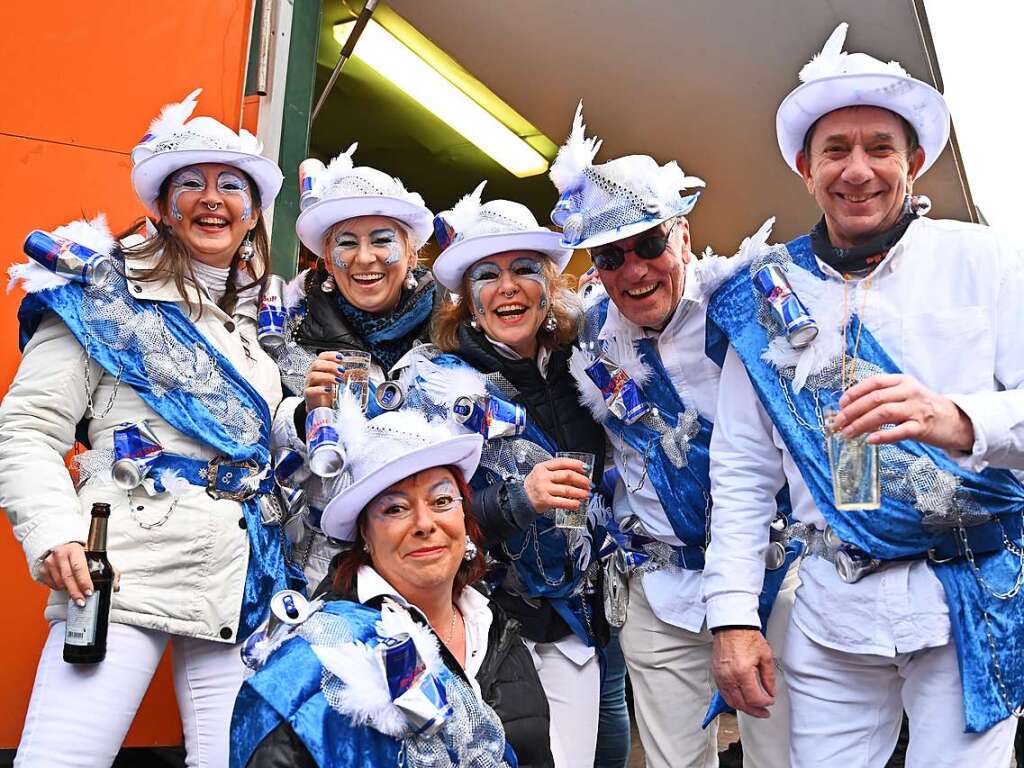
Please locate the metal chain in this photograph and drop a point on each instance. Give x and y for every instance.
(149, 526)
(90, 406)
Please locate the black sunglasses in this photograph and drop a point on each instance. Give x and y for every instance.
(611, 257)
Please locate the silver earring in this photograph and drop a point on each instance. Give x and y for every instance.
(550, 323)
(246, 250)
(471, 549)
(410, 281)
(366, 548)
(328, 285)
(473, 323)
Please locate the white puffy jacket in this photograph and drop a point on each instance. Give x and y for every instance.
(184, 575)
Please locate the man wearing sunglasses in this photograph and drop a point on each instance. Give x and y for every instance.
(910, 598)
(642, 369)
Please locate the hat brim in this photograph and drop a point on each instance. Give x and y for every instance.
(314, 221)
(628, 230)
(451, 265)
(149, 173)
(917, 102)
(341, 513)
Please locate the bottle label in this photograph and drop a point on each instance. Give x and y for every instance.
(81, 625)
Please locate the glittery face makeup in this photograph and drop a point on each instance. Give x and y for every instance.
(384, 245)
(509, 295)
(229, 183)
(369, 257)
(188, 179)
(485, 273)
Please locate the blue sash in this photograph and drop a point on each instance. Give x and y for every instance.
(987, 668)
(208, 420)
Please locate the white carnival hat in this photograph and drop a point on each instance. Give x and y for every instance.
(603, 203)
(342, 191)
(472, 230)
(387, 449)
(834, 79)
(171, 143)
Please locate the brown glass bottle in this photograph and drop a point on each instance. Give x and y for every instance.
(85, 636)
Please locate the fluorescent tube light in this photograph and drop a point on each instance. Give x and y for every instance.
(392, 59)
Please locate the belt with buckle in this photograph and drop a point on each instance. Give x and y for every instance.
(221, 477)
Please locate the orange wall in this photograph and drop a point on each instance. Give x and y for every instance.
(81, 83)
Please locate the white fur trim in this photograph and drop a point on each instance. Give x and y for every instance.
(445, 384)
(622, 351)
(34, 277)
(365, 696)
(591, 396)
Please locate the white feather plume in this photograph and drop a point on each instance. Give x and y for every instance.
(713, 271)
(671, 180)
(446, 384)
(174, 483)
(174, 115)
(465, 212)
(395, 621)
(830, 60)
(93, 234)
(340, 166)
(824, 301)
(295, 290)
(576, 154)
(590, 395)
(364, 696)
(350, 421)
(622, 351)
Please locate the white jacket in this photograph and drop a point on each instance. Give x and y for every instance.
(184, 575)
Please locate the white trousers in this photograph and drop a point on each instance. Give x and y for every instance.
(79, 714)
(847, 709)
(670, 672)
(574, 698)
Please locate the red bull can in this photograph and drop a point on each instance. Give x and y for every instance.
(272, 314)
(67, 258)
(621, 394)
(771, 281)
(309, 169)
(492, 417)
(135, 450)
(326, 456)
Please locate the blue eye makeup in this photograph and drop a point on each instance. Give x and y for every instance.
(229, 183)
(185, 180)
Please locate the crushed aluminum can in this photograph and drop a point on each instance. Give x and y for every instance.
(771, 281)
(413, 689)
(774, 556)
(272, 314)
(135, 450)
(621, 394)
(68, 259)
(289, 467)
(326, 456)
(389, 395)
(271, 512)
(490, 416)
(852, 565)
(309, 169)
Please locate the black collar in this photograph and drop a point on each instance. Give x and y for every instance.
(863, 257)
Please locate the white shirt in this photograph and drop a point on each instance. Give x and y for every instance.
(474, 607)
(946, 305)
(673, 594)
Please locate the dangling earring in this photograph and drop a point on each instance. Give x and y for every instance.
(471, 549)
(366, 548)
(473, 323)
(328, 285)
(410, 281)
(246, 250)
(550, 323)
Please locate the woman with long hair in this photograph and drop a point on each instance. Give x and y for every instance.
(148, 357)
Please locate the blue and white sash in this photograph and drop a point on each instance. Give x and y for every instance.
(155, 349)
(929, 502)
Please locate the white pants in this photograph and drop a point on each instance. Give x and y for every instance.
(79, 714)
(847, 709)
(574, 698)
(670, 672)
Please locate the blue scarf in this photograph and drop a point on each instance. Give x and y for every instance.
(896, 531)
(179, 406)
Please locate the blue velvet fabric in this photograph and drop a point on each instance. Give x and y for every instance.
(267, 570)
(895, 531)
(287, 690)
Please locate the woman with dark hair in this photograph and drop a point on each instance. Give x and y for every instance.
(366, 297)
(401, 659)
(506, 374)
(148, 357)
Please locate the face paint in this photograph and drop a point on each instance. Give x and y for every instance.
(229, 183)
(481, 275)
(185, 180)
(387, 239)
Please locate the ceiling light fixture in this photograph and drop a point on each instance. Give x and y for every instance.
(392, 59)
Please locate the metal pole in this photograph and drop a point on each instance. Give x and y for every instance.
(346, 52)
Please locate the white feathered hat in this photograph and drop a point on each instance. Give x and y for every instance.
(387, 449)
(174, 142)
(834, 79)
(603, 203)
(472, 230)
(342, 191)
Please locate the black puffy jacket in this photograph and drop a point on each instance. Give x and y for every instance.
(553, 404)
(508, 683)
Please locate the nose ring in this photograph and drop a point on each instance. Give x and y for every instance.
(212, 206)
(508, 293)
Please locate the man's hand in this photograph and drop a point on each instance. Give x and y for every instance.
(918, 413)
(744, 670)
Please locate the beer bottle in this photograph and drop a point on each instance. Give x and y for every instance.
(85, 636)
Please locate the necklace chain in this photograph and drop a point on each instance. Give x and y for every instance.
(451, 627)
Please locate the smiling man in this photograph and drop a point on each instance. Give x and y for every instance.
(910, 600)
(642, 370)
